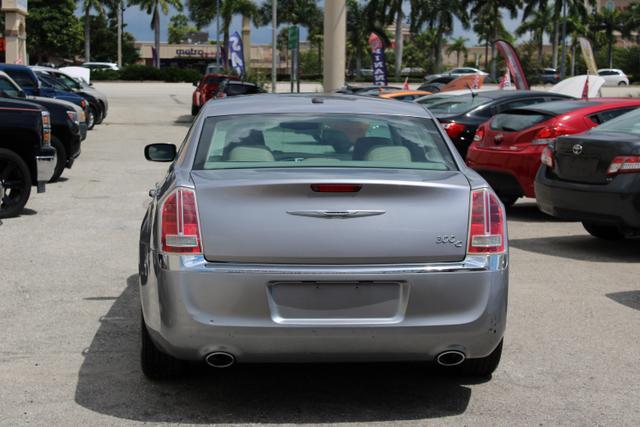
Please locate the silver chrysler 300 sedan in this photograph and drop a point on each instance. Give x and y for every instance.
(311, 228)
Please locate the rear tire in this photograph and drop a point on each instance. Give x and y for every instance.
(622, 83)
(15, 183)
(484, 366)
(156, 365)
(605, 232)
(61, 158)
(91, 120)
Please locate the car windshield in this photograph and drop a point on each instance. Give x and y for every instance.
(628, 123)
(327, 140)
(517, 121)
(459, 104)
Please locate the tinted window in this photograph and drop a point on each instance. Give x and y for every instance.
(510, 105)
(7, 87)
(459, 104)
(325, 140)
(629, 122)
(68, 81)
(233, 89)
(214, 80)
(21, 77)
(517, 121)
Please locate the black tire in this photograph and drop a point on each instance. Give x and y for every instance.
(508, 201)
(100, 116)
(484, 366)
(622, 83)
(15, 183)
(194, 110)
(156, 365)
(61, 158)
(91, 118)
(604, 232)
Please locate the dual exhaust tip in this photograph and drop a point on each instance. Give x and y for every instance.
(450, 358)
(221, 359)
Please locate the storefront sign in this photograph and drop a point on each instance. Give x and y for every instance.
(195, 53)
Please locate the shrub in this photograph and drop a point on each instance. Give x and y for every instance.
(143, 72)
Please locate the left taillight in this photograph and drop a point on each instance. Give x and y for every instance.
(46, 128)
(487, 225)
(180, 227)
(624, 164)
(546, 158)
(479, 136)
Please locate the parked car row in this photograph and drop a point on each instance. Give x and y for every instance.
(44, 117)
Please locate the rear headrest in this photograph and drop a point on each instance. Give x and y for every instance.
(363, 145)
(242, 153)
(389, 154)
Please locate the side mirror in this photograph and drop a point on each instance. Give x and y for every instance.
(160, 152)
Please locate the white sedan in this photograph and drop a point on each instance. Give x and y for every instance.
(613, 77)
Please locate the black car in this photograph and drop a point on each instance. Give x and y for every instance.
(595, 178)
(434, 85)
(65, 123)
(460, 115)
(549, 76)
(235, 88)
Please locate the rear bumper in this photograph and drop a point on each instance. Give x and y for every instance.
(521, 165)
(193, 307)
(617, 203)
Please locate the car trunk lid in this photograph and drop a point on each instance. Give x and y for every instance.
(586, 158)
(275, 216)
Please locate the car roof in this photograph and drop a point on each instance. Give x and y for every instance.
(503, 94)
(561, 107)
(310, 103)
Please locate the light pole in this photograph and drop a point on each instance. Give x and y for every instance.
(564, 44)
(274, 39)
(120, 18)
(218, 52)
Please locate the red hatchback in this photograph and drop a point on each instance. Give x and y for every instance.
(506, 149)
(206, 89)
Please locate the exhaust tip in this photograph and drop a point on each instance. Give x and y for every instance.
(450, 358)
(219, 359)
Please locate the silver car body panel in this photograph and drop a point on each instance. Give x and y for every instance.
(284, 301)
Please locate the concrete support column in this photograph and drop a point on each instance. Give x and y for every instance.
(335, 43)
(15, 31)
(246, 42)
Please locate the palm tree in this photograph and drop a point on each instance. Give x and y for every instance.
(490, 11)
(357, 34)
(154, 7)
(458, 46)
(438, 15)
(87, 7)
(203, 12)
(538, 23)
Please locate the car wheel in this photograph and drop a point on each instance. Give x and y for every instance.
(484, 366)
(622, 83)
(605, 232)
(91, 120)
(61, 158)
(156, 365)
(15, 183)
(194, 110)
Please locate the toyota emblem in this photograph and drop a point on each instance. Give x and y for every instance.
(577, 149)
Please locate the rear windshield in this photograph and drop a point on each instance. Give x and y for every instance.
(459, 104)
(517, 121)
(629, 123)
(327, 140)
(215, 79)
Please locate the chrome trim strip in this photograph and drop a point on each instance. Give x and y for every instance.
(352, 213)
(198, 263)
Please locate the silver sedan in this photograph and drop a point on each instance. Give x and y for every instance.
(320, 228)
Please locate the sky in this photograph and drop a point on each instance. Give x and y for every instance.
(139, 24)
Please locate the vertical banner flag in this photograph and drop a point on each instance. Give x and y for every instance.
(377, 60)
(585, 89)
(513, 63)
(236, 53)
(405, 85)
(587, 54)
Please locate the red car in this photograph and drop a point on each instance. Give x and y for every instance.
(207, 89)
(506, 149)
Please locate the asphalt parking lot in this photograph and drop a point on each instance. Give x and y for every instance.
(69, 315)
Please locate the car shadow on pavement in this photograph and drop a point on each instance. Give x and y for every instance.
(185, 120)
(110, 382)
(582, 248)
(629, 298)
(529, 212)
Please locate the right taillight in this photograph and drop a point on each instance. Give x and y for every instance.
(180, 227)
(546, 158)
(487, 224)
(624, 164)
(46, 128)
